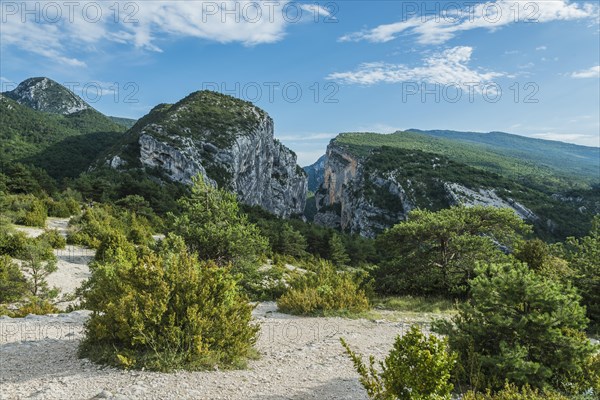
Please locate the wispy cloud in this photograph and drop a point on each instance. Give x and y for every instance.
(449, 67)
(491, 15)
(146, 25)
(586, 140)
(307, 137)
(593, 72)
(317, 10)
(541, 48)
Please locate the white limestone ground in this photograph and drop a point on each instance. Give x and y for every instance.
(301, 358)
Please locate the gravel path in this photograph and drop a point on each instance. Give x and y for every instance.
(301, 358)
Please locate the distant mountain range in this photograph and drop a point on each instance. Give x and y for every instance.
(371, 181)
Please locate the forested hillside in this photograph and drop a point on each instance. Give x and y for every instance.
(63, 145)
(547, 164)
(372, 181)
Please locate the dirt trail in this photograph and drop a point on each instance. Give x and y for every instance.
(301, 358)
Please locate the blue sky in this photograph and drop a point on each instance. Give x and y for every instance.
(524, 67)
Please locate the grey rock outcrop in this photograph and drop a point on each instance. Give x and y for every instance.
(462, 195)
(43, 94)
(249, 162)
(343, 202)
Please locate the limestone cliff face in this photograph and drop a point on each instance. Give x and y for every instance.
(341, 202)
(197, 136)
(364, 200)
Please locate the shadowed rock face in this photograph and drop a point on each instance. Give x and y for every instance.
(189, 138)
(316, 173)
(341, 202)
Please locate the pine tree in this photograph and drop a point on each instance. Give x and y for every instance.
(213, 226)
(583, 256)
(290, 242)
(337, 251)
(521, 328)
(434, 253)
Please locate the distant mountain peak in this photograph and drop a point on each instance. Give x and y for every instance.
(316, 173)
(44, 94)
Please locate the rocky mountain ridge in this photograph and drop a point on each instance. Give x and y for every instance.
(367, 189)
(228, 141)
(44, 94)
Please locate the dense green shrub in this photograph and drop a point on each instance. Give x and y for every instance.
(522, 328)
(434, 253)
(100, 221)
(513, 392)
(35, 305)
(538, 256)
(35, 216)
(418, 367)
(114, 245)
(64, 206)
(12, 242)
(53, 238)
(322, 291)
(165, 311)
(13, 284)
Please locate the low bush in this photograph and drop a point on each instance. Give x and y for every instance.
(35, 216)
(512, 392)
(12, 243)
(63, 207)
(415, 304)
(53, 238)
(13, 284)
(36, 306)
(166, 310)
(323, 291)
(100, 221)
(418, 367)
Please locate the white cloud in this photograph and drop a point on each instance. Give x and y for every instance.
(144, 25)
(491, 15)
(449, 67)
(593, 72)
(378, 128)
(315, 10)
(585, 140)
(541, 48)
(307, 137)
